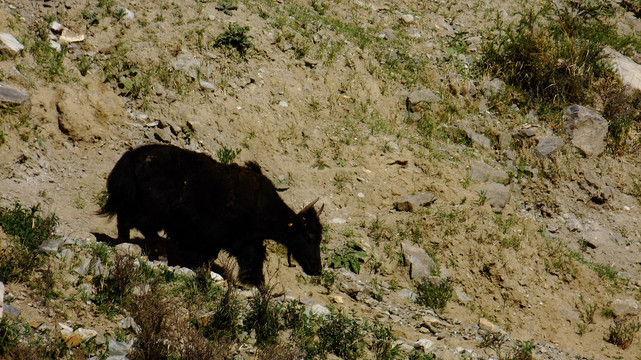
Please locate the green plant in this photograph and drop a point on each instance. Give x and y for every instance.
(226, 155)
(341, 335)
(27, 229)
(494, 341)
(350, 257)
(434, 292)
(135, 85)
(101, 198)
(226, 6)
(420, 355)
(114, 288)
(79, 202)
(339, 181)
(326, 279)
(235, 37)
(622, 332)
(383, 345)
(264, 317)
(224, 322)
(10, 334)
(522, 351)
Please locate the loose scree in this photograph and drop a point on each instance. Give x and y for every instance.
(204, 207)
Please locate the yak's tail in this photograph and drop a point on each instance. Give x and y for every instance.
(121, 186)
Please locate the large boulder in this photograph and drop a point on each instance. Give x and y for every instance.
(587, 129)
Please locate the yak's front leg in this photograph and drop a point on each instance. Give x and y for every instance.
(250, 264)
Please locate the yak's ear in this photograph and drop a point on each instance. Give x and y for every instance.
(308, 207)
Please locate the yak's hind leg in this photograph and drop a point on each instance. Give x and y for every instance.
(250, 264)
(124, 226)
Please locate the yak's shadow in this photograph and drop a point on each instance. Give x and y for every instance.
(176, 255)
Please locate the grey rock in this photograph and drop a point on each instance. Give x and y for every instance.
(11, 96)
(497, 195)
(483, 172)
(183, 271)
(478, 139)
(413, 202)
(505, 141)
(163, 135)
(597, 237)
(9, 46)
(318, 310)
(406, 294)
(52, 245)
(128, 249)
(99, 269)
(207, 85)
(187, 64)
(388, 34)
(350, 284)
(56, 27)
(462, 296)
(548, 145)
(83, 269)
(425, 345)
(493, 87)
(66, 255)
(419, 98)
(587, 129)
(118, 350)
(625, 307)
(527, 132)
(421, 264)
(129, 323)
(626, 68)
(11, 311)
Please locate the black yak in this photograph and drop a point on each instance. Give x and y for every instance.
(205, 206)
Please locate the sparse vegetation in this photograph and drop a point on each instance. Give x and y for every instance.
(235, 37)
(226, 155)
(350, 257)
(622, 332)
(434, 292)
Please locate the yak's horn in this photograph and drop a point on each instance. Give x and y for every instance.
(321, 209)
(308, 207)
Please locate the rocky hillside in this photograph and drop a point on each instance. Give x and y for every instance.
(477, 162)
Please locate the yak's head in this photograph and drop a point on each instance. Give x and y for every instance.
(304, 232)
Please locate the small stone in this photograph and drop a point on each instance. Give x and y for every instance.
(54, 45)
(587, 129)
(86, 334)
(336, 299)
(420, 97)
(497, 195)
(625, 307)
(11, 96)
(84, 266)
(424, 344)
(52, 245)
(73, 341)
(338, 221)
(129, 323)
(56, 27)
(283, 103)
(406, 294)
(483, 172)
(207, 85)
(318, 310)
(11, 311)
(487, 325)
(128, 249)
(215, 277)
(414, 202)
(183, 271)
(548, 145)
(9, 46)
(119, 349)
(407, 18)
(67, 37)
